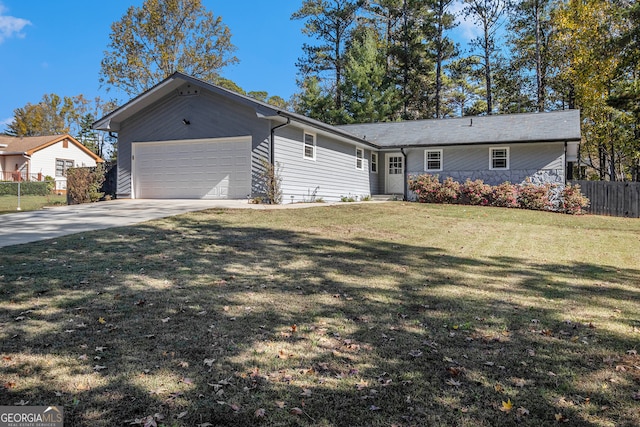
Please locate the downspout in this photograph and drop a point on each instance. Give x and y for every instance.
(406, 176)
(272, 137)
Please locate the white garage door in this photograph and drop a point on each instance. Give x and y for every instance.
(192, 169)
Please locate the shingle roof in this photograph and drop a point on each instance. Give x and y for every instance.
(27, 143)
(30, 144)
(507, 128)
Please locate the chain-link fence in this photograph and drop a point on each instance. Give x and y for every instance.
(12, 193)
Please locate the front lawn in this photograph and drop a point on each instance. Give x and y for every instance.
(355, 315)
(9, 204)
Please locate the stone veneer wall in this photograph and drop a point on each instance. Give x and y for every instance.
(514, 176)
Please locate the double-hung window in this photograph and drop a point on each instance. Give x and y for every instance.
(359, 159)
(499, 158)
(61, 167)
(374, 162)
(309, 146)
(432, 160)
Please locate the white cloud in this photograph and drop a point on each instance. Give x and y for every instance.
(11, 26)
(5, 122)
(466, 29)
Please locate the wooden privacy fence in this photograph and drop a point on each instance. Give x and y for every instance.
(612, 198)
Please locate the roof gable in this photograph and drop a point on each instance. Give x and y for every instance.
(175, 82)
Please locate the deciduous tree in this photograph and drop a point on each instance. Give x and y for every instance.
(151, 42)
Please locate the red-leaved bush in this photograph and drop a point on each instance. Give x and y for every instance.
(429, 189)
(505, 195)
(476, 192)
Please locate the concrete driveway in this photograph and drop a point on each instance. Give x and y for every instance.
(25, 227)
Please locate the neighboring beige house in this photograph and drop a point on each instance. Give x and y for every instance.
(36, 157)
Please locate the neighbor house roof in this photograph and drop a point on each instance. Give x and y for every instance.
(27, 145)
(499, 129)
(176, 81)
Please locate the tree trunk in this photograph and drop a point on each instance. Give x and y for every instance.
(439, 48)
(487, 67)
(539, 82)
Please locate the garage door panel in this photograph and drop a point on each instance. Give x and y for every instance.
(214, 169)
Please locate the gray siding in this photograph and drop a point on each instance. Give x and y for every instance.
(210, 116)
(541, 162)
(331, 175)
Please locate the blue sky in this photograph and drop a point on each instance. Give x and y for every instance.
(56, 47)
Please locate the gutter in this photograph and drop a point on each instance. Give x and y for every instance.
(272, 140)
(459, 144)
(328, 128)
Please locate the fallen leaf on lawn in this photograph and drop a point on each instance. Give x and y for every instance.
(361, 385)
(506, 406)
(205, 425)
(182, 415)
(489, 363)
(165, 320)
(454, 371)
(283, 355)
(374, 408)
(632, 352)
(183, 364)
(99, 367)
(498, 387)
(562, 418)
(22, 403)
(453, 382)
(522, 411)
(149, 422)
(100, 349)
(296, 411)
(551, 374)
(306, 392)
(209, 362)
(187, 380)
(294, 328)
(280, 404)
(235, 407)
(636, 395)
(519, 382)
(101, 320)
(225, 308)
(260, 413)
(9, 385)
(415, 353)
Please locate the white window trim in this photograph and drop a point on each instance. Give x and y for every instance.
(491, 150)
(304, 145)
(426, 163)
(361, 158)
(374, 156)
(64, 167)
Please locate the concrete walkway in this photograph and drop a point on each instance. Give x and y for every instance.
(25, 227)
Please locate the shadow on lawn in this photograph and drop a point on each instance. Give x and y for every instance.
(198, 318)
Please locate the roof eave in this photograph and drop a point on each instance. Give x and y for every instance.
(458, 144)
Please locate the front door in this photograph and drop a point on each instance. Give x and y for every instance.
(395, 174)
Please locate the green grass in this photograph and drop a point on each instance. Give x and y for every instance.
(9, 204)
(357, 315)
